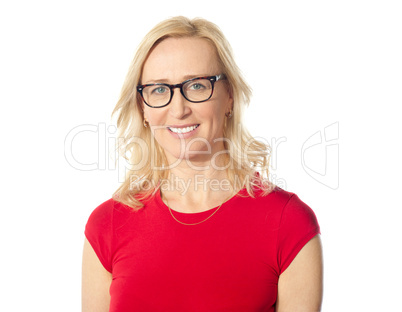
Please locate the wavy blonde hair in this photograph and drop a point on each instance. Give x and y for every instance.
(249, 158)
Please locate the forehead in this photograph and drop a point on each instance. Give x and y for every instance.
(176, 58)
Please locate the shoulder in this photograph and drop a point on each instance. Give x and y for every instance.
(281, 199)
(102, 216)
(295, 224)
(274, 199)
(276, 194)
(283, 206)
(100, 219)
(103, 210)
(101, 223)
(294, 211)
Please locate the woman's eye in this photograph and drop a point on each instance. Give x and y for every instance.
(159, 90)
(197, 86)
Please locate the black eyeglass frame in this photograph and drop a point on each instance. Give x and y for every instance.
(212, 79)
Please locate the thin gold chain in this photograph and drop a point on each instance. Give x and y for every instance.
(171, 213)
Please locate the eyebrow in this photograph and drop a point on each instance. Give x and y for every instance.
(187, 77)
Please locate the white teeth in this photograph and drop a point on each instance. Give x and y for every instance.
(183, 130)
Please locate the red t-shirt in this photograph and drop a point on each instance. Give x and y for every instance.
(231, 262)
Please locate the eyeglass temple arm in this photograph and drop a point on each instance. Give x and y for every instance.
(220, 77)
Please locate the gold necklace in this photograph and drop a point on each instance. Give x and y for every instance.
(171, 213)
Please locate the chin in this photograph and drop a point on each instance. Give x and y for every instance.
(198, 151)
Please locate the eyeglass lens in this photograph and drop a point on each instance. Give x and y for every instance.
(198, 90)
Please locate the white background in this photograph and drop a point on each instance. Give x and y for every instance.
(311, 64)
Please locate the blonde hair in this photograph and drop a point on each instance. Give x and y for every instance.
(132, 133)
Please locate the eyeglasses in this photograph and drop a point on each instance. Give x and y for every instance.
(195, 90)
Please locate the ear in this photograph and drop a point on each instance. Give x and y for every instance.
(230, 102)
(230, 94)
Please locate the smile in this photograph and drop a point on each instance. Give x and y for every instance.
(183, 130)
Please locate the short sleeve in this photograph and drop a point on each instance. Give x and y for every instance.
(98, 232)
(298, 226)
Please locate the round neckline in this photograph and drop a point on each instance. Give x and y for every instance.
(193, 215)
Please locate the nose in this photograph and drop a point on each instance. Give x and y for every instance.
(178, 107)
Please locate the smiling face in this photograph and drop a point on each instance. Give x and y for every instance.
(183, 128)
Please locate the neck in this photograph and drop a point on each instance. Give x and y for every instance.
(197, 185)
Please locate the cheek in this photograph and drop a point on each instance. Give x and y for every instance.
(217, 113)
(213, 111)
(154, 117)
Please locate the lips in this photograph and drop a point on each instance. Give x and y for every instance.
(183, 129)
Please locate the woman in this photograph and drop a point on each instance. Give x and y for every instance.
(196, 226)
